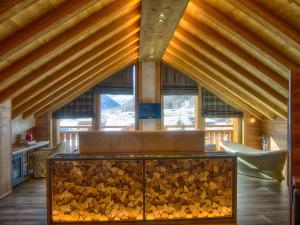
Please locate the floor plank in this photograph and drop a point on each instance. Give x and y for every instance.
(260, 202)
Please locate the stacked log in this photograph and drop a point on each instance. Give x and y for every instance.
(112, 190)
(177, 189)
(97, 190)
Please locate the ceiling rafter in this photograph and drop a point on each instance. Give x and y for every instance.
(211, 85)
(247, 61)
(48, 50)
(72, 53)
(11, 7)
(60, 74)
(228, 65)
(71, 94)
(246, 37)
(90, 67)
(269, 20)
(40, 27)
(223, 82)
(255, 99)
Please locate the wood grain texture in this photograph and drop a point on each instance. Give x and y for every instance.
(5, 149)
(294, 122)
(252, 132)
(276, 132)
(41, 130)
(260, 202)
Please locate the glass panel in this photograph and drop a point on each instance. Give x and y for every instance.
(179, 111)
(117, 111)
(185, 189)
(97, 190)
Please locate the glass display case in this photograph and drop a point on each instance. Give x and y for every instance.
(141, 188)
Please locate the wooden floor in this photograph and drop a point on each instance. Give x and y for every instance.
(260, 202)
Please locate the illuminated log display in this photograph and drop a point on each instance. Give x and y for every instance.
(141, 188)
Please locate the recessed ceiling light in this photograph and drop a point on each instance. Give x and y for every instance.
(162, 15)
(160, 20)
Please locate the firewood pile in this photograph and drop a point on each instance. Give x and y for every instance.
(97, 190)
(178, 189)
(110, 190)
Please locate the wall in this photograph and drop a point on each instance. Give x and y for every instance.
(41, 131)
(21, 126)
(277, 133)
(149, 91)
(5, 149)
(252, 132)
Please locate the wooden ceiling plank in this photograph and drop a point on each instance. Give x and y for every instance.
(79, 74)
(43, 25)
(256, 100)
(117, 40)
(224, 84)
(108, 32)
(265, 50)
(12, 7)
(247, 61)
(113, 11)
(68, 95)
(158, 23)
(227, 64)
(211, 85)
(269, 20)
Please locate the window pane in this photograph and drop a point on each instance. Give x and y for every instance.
(83, 124)
(117, 111)
(179, 111)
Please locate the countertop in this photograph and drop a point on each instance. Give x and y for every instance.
(202, 155)
(19, 149)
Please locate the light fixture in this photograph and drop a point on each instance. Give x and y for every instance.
(160, 20)
(161, 15)
(252, 120)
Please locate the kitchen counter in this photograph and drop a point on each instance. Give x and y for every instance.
(19, 149)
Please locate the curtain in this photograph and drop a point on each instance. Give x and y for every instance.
(81, 107)
(175, 82)
(119, 83)
(84, 105)
(214, 107)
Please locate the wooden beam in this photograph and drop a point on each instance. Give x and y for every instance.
(159, 21)
(94, 65)
(229, 65)
(71, 95)
(222, 82)
(103, 17)
(80, 82)
(269, 20)
(263, 49)
(221, 44)
(43, 25)
(12, 7)
(129, 21)
(26, 96)
(253, 98)
(211, 85)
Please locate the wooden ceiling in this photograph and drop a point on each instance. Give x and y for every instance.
(242, 50)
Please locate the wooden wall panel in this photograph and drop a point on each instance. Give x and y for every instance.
(294, 121)
(252, 132)
(277, 133)
(41, 131)
(5, 149)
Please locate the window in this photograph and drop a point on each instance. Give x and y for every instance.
(180, 112)
(117, 112)
(69, 131)
(219, 129)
